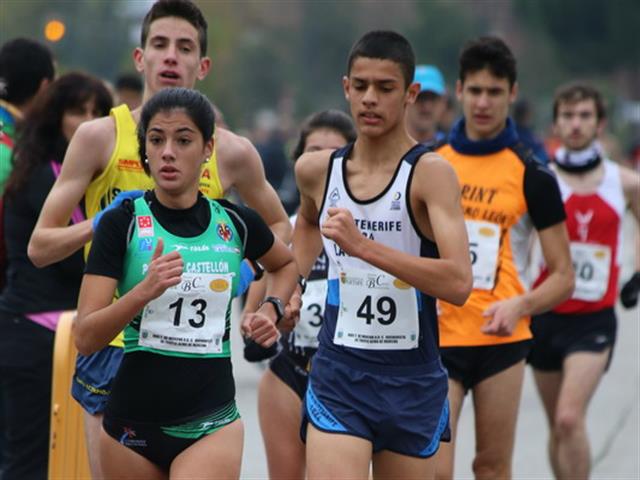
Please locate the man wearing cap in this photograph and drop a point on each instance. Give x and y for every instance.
(423, 116)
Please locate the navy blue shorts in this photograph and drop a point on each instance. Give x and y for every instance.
(403, 413)
(94, 376)
(555, 336)
(289, 369)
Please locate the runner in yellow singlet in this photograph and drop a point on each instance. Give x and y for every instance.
(100, 161)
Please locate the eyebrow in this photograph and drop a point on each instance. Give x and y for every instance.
(179, 130)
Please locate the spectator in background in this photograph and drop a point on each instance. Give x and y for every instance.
(129, 90)
(270, 144)
(523, 116)
(423, 117)
(33, 299)
(26, 67)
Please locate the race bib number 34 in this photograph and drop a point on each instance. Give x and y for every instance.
(484, 244)
(377, 312)
(189, 317)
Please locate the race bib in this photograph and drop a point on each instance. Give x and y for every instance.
(592, 266)
(484, 245)
(189, 317)
(377, 312)
(306, 332)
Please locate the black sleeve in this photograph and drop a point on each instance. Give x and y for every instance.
(257, 236)
(110, 241)
(542, 194)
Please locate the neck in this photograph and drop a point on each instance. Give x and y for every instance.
(386, 149)
(423, 136)
(576, 161)
(177, 201)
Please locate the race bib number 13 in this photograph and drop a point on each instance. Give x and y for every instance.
(189, 317)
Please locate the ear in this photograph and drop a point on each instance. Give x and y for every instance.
(345, 87)
(204, 67)
(514, 93)
(208, 148)
(138, 57)
(412, 92)
(459, 90)
(602, 124)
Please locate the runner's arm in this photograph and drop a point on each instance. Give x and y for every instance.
(53, 239)
(448, 277)
(250, 181)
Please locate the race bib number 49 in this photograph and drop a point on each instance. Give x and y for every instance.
(484, 245)
(377, 312)
(189, 317)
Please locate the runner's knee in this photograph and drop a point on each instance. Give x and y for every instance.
(567, 422)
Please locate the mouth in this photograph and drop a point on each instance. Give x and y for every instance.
(482, 118)
(170, 76)
(168, 173)
(370, 118)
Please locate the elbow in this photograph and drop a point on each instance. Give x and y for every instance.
(459, 289)
(35, 254)
(81, 340)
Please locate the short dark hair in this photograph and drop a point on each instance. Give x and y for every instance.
(184, 9)
(193, 103)
(24, 63)
(129, 81)
(577, 92)
(385, 45)
(491, 53)
(331, 120)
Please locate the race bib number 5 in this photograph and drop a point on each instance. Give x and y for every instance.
(189, 317)
(377, 312)
(484, 244)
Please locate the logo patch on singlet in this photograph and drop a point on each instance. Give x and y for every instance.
(145, 244)
(395, 203)
(145, 226)
(334, 197)
(129, 165)
(224, 231)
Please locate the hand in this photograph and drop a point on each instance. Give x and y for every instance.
(164, 271)
(503, 316)
(291, 312)
(260, 328)
(121, 197)
(630, 290)
(341, 228)
(247, 276)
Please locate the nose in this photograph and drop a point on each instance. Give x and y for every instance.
(483, 100)
(171, 54)
(168, 154)
(370, 97)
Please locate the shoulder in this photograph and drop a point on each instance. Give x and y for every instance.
(432, 168)
(311, 168)
(232, 150)
(630, 180)
(101, 130)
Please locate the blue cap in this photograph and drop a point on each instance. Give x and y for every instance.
(430, 79)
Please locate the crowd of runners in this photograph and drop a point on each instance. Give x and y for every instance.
(403, 281)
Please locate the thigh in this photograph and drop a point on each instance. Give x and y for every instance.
(333, 455)
(444, 458)
(582, 372)
(120, 462)
(548, 384)
(390, 465)
(217, 455)
(279, 409)
(496, 401)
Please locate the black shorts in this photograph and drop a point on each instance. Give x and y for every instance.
(161, 444)
(292, 370)
(556, 335)
(471, 365)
